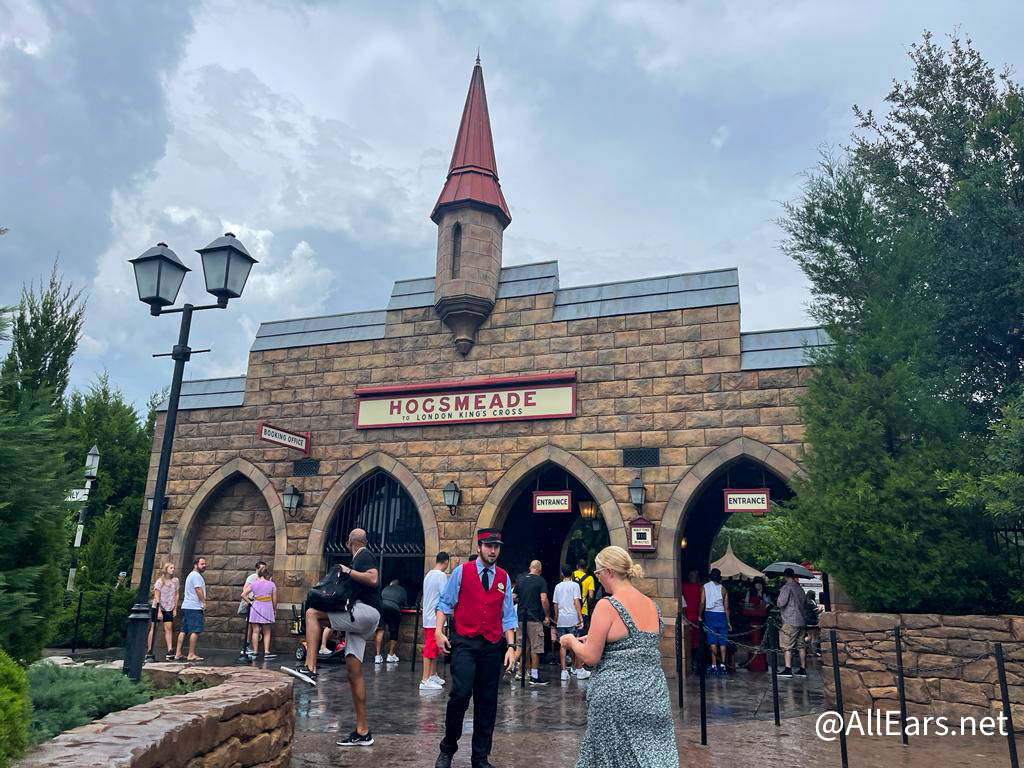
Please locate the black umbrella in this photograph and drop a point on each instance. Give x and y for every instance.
(779, 568)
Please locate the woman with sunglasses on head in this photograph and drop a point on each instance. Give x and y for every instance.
(629, 714)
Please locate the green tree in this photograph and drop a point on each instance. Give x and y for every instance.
(33, 518)
(47, 327)
(758, 541)
(99, 558)
(996, 485)
(102, 417)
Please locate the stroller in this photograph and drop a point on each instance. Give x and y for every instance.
(298, 629)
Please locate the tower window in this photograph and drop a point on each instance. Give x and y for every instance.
(456, 249)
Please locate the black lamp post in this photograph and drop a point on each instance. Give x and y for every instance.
(637, 493)
(158, 277)
(292, 499)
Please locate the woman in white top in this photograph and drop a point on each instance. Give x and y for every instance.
(164, 609)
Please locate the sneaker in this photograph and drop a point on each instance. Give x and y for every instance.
(582, 674)
(786, 672)
(149, 657)
(170, 656)
(392, 658)
(436, 679)
(378, 659)
(430, 685)
(303, 673)
(355, 740)
(537, 681)
(323, 654)
(269, 655)
(801, 672)
(565, 674)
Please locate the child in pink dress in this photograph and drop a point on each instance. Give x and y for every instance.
(262, 594)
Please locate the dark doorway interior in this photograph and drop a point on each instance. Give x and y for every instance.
(528, 536)
(707, 515)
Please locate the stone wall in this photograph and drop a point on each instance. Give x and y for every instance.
(668, 379)
(245, 719)
(948, 662)
(233, 532)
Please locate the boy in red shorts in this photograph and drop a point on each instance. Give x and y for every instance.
(433, 584)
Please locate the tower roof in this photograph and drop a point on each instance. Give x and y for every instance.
(473, 173)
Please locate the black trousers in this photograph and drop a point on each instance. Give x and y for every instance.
(476, 672)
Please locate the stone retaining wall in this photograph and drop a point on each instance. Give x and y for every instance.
(958, 675)
(245, 719)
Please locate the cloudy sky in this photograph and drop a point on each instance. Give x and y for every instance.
(633, 139)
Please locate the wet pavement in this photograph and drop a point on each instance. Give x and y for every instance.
(543, 725)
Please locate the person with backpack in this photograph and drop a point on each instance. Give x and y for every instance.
(586, 584)
(350, 602)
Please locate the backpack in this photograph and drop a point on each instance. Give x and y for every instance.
(334, 594)
(584, 602)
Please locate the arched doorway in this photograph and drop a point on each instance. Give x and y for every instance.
(552, 538)
(707, 514)
(381, 506)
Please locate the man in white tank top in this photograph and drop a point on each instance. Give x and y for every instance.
(714, 609)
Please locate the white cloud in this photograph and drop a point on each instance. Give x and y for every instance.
(720, 137)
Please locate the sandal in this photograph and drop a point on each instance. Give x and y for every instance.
(193, 658)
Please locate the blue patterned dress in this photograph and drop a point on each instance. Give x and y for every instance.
(629, 712)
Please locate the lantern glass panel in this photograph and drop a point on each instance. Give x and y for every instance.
(147, 278)
(171, 277)
(238, 273)
(215, 268)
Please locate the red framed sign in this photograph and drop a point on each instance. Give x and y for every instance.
(756, 501)
(640, 535)
(545, 502)
(299, 441)
(507, 398)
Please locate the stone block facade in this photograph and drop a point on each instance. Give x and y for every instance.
(667, 379)
(948, 661)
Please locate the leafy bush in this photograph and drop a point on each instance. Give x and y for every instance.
(90, 628)
(15, 710)
(67, 697)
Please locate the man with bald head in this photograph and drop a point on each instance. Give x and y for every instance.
(358, 624)
(534, 616)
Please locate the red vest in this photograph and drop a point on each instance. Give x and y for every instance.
(478, 612)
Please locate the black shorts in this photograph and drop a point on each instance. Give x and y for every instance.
(159, 614)
(390, 617)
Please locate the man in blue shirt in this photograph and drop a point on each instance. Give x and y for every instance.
(479, 597)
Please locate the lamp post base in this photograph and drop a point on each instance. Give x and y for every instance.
(135, 644)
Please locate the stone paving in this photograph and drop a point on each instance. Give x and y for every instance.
(543, 726)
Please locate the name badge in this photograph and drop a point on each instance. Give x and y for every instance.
(501, 586)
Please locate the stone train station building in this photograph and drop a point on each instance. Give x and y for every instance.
(523, 394)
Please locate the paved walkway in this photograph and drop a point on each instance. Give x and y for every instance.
(542, 727)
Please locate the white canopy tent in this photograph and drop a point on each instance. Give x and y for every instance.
(731, 567)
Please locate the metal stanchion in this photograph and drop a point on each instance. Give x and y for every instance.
(415, 635)
(703, 685)
(826, 592)
(774, 645)
(679, 653)
(1007, 713)
(522, 655)
(901, 690)
(78, 618)
(106, 615)
(843, 756)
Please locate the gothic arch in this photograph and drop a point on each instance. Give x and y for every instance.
(216, 481)
(495, 507)
(692, 483)
(351, 477)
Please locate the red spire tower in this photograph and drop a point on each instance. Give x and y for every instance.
(471, 215)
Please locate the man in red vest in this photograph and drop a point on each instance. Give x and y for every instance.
(479, 596)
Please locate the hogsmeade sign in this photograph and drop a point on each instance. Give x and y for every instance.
(511, 398)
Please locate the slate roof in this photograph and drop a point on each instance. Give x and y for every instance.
(210, 393)
(786, 348)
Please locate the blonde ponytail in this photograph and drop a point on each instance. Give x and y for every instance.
(618, 561)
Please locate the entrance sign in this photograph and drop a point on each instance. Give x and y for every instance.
(511, 398)
(757, 501)
(297, 440)
(552, 501)
(640, 535)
